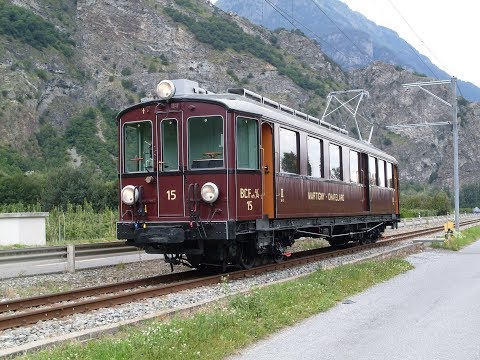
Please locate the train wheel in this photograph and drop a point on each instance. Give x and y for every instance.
(246, 254)
(194, 260)
(364, 240)
(277, 254)
(374, 236)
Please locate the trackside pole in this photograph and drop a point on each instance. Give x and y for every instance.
(71, 258)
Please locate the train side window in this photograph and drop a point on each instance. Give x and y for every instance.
(289, 151)
(335, 162)
(137, 147)
(314, 157)
(390, 175)
(372, 170)
(169, 145)
(381, 173)
(247, 143)
(205, 142)
(354, 166)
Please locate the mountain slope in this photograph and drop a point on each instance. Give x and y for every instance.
(352, 41)
(56, 107)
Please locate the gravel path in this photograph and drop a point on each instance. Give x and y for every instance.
(52, 328)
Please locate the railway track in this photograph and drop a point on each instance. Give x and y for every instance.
(22, 312)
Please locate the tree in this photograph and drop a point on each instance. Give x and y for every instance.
(20, 188)
(68, 185)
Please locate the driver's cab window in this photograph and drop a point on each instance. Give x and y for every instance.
(169, 145)
(205, 142)
(137, 140)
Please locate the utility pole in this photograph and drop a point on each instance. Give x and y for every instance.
(456, 178)
(454, 122)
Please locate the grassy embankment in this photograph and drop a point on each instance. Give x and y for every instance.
(458, 241)
(238, 322)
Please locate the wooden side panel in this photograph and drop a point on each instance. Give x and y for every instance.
(267, 154)
(299, 196)
(382, 200)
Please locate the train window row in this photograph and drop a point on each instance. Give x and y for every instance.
(206, 150)
(380, 171)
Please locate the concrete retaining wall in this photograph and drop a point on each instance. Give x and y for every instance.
(23, 228)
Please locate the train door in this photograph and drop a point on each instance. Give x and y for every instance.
(268, 170)
(364, 178)
(397, 190)
(170, 190)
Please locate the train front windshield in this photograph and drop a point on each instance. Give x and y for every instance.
(205, 142)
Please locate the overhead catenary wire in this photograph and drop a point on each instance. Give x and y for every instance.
(341, 30)
(291, 20)
(423, 43)
(418, 37)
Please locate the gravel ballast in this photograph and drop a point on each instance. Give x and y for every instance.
(12, 338)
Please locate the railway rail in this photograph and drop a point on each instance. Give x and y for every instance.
(22, 312)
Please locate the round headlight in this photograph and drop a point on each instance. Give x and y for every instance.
(209, 192)
(165, 89)
(129, 195)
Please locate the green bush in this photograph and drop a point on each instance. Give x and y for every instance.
(68, 185)
(20, 188)
(42, 74)
(52, 145)
(25, 26)
(13, 162)
(164, 60)
(128, 85)
(126, 71)
(82, 133)
(415, 198)
(152, 68)
(232, 74)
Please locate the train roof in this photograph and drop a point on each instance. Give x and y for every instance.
(244, 101)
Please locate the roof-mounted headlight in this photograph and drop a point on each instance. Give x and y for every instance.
(209, 192)
(129, 195)
(165, 89)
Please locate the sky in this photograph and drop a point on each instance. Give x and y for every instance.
(447, 29)
(444, 31)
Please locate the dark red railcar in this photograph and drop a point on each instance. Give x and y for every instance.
(228, 178)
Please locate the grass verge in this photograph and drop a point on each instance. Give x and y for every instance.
(460, 240)
(242, 320)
